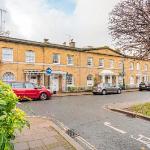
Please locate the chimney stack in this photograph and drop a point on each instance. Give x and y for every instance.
(64, 43)
(72, 43)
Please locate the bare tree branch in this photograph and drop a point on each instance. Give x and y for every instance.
(130, 27)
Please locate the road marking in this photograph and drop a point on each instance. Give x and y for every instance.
(143, 139)
(108, 124)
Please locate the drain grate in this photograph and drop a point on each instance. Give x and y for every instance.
(72, 133)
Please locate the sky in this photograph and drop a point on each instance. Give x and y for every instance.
(86, 21)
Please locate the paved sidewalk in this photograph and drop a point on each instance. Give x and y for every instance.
(85, 93)
(41, 136)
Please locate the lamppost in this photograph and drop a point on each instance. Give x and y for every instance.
(123, 73)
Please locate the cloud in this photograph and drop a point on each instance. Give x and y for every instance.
(36, 20)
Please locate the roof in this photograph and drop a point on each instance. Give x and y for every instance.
(51, 45)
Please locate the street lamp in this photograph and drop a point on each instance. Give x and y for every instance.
(123, 74)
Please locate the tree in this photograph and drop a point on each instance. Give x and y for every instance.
(129, 25)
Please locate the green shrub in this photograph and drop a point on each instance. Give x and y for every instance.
(11, 118)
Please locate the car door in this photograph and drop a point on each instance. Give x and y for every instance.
(18, 88)
(108, 88)
(31, 91)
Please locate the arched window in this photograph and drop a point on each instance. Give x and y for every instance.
(90, 81)
(8, 76)
(70, 79)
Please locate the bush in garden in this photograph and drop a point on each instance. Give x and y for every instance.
(11, 118)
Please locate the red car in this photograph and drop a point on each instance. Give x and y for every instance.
(25, 90)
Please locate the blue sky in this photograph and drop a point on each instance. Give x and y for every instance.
(66, 6)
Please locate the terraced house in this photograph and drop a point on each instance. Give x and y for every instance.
(23, 60)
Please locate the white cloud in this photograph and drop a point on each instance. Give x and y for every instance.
(34, 20)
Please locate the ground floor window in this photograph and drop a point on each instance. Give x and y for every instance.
(70, 79)
(90, 81)
(8, 76)
(131, 80)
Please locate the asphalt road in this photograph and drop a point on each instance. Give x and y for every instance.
(104, 129)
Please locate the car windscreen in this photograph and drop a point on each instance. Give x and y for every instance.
(17, 85)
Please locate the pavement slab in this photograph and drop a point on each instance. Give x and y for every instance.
(41, 136)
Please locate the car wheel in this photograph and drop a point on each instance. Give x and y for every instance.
(119, 91)
(104, 92)
(43, 96)
(140, 89)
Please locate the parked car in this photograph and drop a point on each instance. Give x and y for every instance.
(105, 88)
(144, 86)
(25, 90)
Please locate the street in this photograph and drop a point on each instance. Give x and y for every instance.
(104, 129)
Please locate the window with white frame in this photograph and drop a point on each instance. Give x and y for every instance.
(131, 66)
(8, 76)
(56, 59)
(101, 63)
(70, 59)
(111, 63)
(7, 54)
(90, 81)
(70, 80)
(30, 56)
(120, 65)
(90, 61)
(137, 66)
(146, 67)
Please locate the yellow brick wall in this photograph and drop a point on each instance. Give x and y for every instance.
(80, 70)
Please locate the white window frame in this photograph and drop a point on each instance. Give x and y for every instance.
(7, 54)
(70, 82)
(111, 63)
(8, 76)
(138, 66)
(90, 61)
(30, 56)
(101, 63)
(146, 67)
(58, 58)
(120, 65)
(70, 60)
(90, 80)
(131, 66)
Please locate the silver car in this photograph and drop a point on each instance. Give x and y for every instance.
(105, 88)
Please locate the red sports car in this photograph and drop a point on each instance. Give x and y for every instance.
(27, 90)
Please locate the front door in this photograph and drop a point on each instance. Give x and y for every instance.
(56, 84)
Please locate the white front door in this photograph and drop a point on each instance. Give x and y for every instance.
(55, 84)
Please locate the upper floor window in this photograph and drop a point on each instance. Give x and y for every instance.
(90, 61)
(111, 63)
(70, 60)
(7, 54)
(146, 67)
(137, 66)
(120, 65)
(131, 66)
(56, 59)
(101, 62)
(30, 56)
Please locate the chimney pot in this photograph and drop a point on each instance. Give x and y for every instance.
(46, 40)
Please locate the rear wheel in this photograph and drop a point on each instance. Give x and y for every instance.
(119, 91)
(43, 96)
(104, 92)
